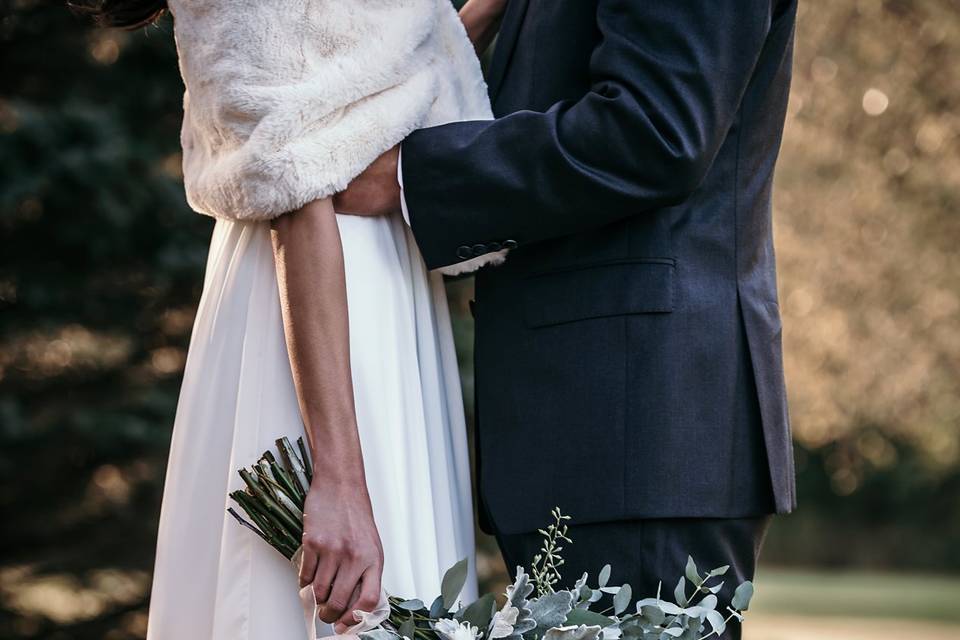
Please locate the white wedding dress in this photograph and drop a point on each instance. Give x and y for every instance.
(286, 101)
(215, 580)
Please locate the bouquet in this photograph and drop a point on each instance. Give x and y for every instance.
(534, 608)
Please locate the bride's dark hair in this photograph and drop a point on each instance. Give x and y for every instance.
(125, 14)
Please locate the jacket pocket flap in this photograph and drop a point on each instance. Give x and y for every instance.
(599, 291)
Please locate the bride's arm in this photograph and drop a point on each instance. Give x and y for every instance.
(481, 18)
(342, 557)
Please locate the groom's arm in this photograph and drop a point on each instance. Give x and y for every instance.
(666, 83)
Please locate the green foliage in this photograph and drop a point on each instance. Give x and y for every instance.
(553, 614)
(546, 564)
(479, 613)
(452, 583)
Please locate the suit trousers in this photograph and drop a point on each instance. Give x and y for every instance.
(645, 552)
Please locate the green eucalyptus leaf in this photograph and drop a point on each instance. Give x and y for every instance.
(680, 592)
(692, 632)
(407, 628)
(622, 600)
(653, 613)
(693, 575)
(719, 571)
(452, 584)
(480, 612)
(437, 610)
(717, 623)
(633, 629)
(709, 602)
(693, 613)
(742, 596)
(604, 577)
(667, 607)
(412, 605)
(587, 617)
(639, 633)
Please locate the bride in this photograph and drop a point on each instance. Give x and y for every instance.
(311, 322)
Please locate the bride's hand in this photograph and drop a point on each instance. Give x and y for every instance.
(376, 191)
(342, 554)
(481, 18)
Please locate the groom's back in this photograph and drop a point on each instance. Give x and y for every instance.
(635, 370)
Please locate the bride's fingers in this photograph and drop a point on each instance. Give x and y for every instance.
(308, 567)
(365, 598)
(343, 586)
(323, 578)
(347, 619)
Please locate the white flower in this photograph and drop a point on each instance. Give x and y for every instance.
(452, 630)
(502, 624)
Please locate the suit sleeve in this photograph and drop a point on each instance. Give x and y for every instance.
(666, 83)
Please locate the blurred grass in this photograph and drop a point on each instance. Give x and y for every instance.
(859, 594)
(813, 605)
(780, 627)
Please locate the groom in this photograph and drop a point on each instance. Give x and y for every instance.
(628, 358)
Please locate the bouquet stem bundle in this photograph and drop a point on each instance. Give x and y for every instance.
(273, 500)
(274, 496)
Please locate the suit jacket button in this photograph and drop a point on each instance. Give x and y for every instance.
(494, 246)
(509, 244)
(464, 252)
(479, 249)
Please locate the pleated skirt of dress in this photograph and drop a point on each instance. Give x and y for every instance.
(215, 580)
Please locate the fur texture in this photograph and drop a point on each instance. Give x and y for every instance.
(286, 101)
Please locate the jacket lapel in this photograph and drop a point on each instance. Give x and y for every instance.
(506, 42)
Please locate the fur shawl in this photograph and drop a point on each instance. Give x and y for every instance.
(288, 100)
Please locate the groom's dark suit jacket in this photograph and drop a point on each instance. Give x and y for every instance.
(628, 358)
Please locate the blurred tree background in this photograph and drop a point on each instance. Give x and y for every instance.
(101, 266)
